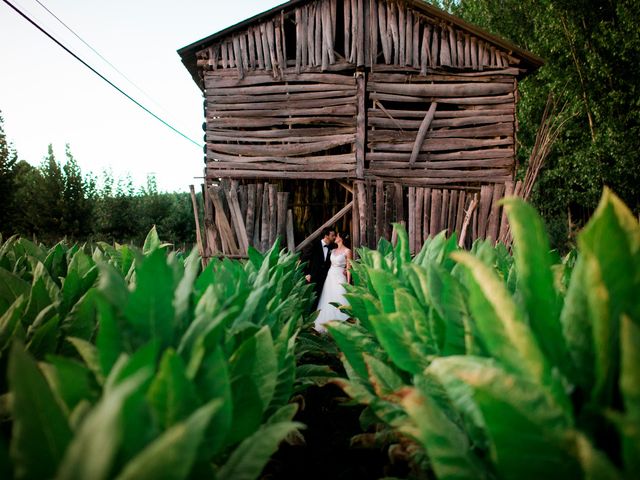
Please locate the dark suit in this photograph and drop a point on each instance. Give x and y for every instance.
(317, 266)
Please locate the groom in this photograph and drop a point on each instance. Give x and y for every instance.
(317, 255)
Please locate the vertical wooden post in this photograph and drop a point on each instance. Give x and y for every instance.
(291, 243)
(412, 219)
(355, 220)
(379, 209)
(361, 123)
(196, 216)
(419, 217)
(494, 216)
(362, 211)
(426, 214)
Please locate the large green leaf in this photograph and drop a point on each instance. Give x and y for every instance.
(610, 245)
(578, 326)
(184, 291)
(528, 431)
(171, 395)
(400, 342)
(402, 252)
(173, 454)
(90, 355)
(505, 331)
(630, 389)
(150, 307)
(11, 287)
(446, 444)
(535, 280)
(253, 371)
(250, 457)
(40, 430)
(212, 381)
(383, 378)
(70, 380)
(93, 450)
(10, 322)
(353, 342)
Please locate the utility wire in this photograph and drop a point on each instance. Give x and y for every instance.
(98, 53)
(99, 74)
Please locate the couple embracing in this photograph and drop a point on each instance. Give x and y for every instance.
(328, 267)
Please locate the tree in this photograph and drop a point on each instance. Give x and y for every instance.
(50, 198)
(8, 160)
(76, 204)
(591, 54)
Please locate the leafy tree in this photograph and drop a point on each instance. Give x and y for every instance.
(8, 159)
(76, 204)
(51, 197)
(591, 54)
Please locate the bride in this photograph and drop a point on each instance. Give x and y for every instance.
(333, 291)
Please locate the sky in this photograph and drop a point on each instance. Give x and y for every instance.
(48, 97)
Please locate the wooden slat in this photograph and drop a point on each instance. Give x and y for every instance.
(419, 218)
(494, 215)
(380, 222)
(251, 211)
(504, 223)
(236, 219)
(385, 39)
(281, 228)
(361, 132)
(451, 216)
(362, 211)
(436, 209)
(371, 225)
(264, 234)
(426, 214)
(462, 198)
(444, 212)
(196, 216)
(422, 133)
(388, 211)
(360, 57)
(273, 214)
(392, 25)
(486, 195)
(399, 202)
(412, 219)
(291, 244)
(346, 16)
(257, 228)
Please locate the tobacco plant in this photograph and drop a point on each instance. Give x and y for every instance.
(137, 364)
(500, 366)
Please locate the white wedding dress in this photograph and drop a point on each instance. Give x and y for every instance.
(333, 292)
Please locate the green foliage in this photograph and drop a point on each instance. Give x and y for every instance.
(123, 363)
(539, 378)
(590, 50)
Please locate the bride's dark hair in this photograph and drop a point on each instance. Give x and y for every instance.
(346, 239)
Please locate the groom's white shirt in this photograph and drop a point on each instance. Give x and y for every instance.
(324, 252)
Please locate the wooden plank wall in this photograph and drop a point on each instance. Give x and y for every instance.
(469, 138)
(374, 33)
(304, 128)
(238, 216)
(427, 211)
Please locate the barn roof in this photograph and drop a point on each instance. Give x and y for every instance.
(529, 60)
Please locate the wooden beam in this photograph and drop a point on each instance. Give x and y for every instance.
(422, 133)
(196, 216)
(326, 224)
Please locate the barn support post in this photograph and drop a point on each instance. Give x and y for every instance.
(361, 123)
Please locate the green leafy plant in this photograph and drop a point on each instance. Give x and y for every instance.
(137, 364)
(545, 382)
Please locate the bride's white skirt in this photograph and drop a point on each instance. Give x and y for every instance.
(332, 292)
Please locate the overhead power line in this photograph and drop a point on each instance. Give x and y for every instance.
(51, 37)
(98, 53)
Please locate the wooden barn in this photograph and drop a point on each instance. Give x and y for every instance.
(355, 114)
